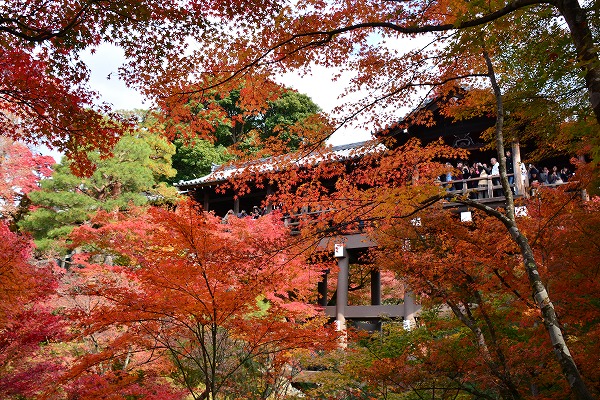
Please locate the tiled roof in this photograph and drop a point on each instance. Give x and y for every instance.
(337, 153)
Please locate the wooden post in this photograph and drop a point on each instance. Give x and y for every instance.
(342, 290)
(236, 206)
(521, 183)
(409, 310)
(375, 287)
(322, 288)
(205, 202)
(269, 206)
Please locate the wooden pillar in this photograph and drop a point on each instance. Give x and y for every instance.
(375, 287)
(322, 288)
(205, 201)
(520, 183)
(236, 206)
(269, 206)
(409, 310)
(342, 288)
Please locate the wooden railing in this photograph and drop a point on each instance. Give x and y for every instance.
(490, 191)
(292, 221)
(486, 187)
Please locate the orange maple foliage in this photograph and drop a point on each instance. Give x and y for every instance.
(397, 54)
(488, 334)
(196, 299)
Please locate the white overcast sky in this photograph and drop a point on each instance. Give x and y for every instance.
(106, 60)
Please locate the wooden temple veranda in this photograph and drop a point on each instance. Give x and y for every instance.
(348, 246)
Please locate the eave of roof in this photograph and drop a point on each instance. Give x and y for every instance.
(338, 153)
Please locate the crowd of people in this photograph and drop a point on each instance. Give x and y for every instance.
(547, 177)
(480, 176)
(255, 214)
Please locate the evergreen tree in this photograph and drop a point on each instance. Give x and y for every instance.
(242, 126)
(130, 176)
(195, 159)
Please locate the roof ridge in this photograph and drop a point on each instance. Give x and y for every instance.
(221, 172)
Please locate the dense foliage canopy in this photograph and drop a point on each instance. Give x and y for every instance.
(236, 130)
(221, 306)
(129, 177)
(167, 303)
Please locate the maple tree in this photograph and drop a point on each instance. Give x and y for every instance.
(530, 261)
(481, 332)
(45, 97)
(175, 50)
(20, 172)
(373, 42)
(209, 301)
(180, 50)
(41, 109)
(466, 55)
(495, 333)
(390, 188)
(45, 94)
(27, 323)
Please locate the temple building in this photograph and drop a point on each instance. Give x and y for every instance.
(216, 196)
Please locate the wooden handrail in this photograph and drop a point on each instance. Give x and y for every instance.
(489, 186)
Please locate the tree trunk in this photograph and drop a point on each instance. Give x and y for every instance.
(539, 293)
(587, 55)
(507, 388)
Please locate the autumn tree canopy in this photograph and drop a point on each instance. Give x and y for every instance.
(481, 285)
(219, 306)
(27, 321)
(20, 172)
(398, 54)
(544, 50)
(45, 98)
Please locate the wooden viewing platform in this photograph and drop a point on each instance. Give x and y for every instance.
(347, 242)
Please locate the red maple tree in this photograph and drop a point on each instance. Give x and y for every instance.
(20, 172)
(27, 322)
(198, 300)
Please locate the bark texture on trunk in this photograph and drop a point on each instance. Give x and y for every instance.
(539, 293)
(587, 55)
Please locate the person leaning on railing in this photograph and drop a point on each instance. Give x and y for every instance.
(554, 177)
(482, 184)
(543, 177)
